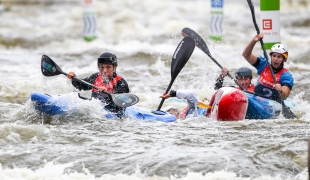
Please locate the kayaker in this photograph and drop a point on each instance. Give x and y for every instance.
(191, 110)
(265, 84)
(243, 76)
(106, 79)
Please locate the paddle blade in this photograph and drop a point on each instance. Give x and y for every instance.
(49, 67)
(181, 55)
(287, 113)
(125, 99)
(200, 43)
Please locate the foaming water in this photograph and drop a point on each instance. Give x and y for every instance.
(84, 144)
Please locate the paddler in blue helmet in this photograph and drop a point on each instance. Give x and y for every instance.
(106, 79)
(265, 84)
(243, 75)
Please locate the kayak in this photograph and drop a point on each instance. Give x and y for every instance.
(232, 104)
(62, 104)
(228, 104)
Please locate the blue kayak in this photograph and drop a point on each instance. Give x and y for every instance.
(66, 103)
(263, 108)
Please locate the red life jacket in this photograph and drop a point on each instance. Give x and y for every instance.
(265, 77)
(110, 85)
(250, 88)
(184, 112)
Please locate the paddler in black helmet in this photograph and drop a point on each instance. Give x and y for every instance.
(106, 79)
(243, 75)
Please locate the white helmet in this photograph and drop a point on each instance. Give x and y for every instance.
(279, 48)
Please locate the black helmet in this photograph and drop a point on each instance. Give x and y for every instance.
(244, 71)
(107, 58)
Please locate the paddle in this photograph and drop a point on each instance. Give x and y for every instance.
(287, 113)
(200, 43)
(203, 105)
(50, 68)
(181, 55)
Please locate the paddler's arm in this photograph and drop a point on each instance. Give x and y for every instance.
(81, 86)
(283, 90)
(121, 87)
(247, 52)
(191, 97)
(220, 79)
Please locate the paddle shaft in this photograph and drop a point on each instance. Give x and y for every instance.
(168, 89)
(261, 40)
(87, 83)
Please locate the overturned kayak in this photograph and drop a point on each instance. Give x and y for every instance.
(232, 104)
(67, 103)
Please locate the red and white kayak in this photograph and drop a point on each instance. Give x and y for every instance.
(228, 104)
(232, 104)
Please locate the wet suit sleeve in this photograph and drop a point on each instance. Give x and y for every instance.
(121, 87)
(80, 86)
(287, 80)
(191, 97)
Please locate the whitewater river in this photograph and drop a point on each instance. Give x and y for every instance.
(143, 35)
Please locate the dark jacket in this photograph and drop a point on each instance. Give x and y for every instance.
(120, 87)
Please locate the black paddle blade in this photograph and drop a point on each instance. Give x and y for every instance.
(181, 55)
(179, 59)
(49, 67)
(287, 113)
(200, 43)
(125, 99)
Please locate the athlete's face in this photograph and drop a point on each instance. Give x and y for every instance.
(175, 112)
(276, 60)
(106, 70)
(244, 81)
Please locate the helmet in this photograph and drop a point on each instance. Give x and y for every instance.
(244, 71)
(279, 48)
(107, 58)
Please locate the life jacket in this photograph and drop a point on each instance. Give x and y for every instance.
(110, 85)
(250, 88)
(184, 112)
(265, 85)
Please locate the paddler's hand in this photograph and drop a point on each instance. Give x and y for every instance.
(169, 94)
(165, 95)
(278, 87)
(223, 73)
(258, 37)
(70, 75)
(101, 89)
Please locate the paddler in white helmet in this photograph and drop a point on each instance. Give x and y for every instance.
(106, 79)
(265, 84)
